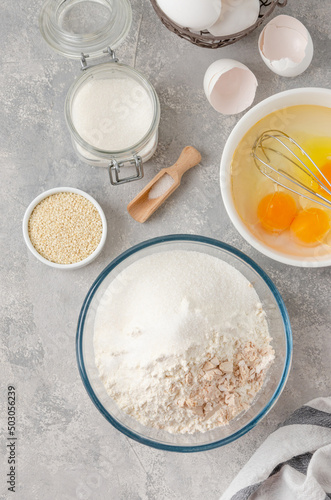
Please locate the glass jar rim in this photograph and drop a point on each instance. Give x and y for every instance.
(93, 44)
(121, 153)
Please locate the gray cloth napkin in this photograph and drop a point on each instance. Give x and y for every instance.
(294, 463)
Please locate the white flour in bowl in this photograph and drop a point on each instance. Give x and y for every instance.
(181, 341)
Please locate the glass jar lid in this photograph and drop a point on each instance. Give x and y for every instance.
(76, 27)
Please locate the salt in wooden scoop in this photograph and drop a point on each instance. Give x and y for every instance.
(162, 186)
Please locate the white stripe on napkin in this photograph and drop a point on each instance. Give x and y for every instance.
(297, 456)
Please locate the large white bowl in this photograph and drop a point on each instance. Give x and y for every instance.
(313, 96)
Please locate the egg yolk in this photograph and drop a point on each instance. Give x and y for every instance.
(326, 171)
(310, 226)
(276, 211)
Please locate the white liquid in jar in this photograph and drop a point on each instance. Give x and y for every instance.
(112, 114)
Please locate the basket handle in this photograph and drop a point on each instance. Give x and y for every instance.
(281, 3)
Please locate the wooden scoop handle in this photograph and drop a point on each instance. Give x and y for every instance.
(189, 157)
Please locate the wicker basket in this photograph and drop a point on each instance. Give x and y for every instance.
(206, 39)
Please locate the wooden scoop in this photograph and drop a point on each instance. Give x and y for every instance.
(142, 207)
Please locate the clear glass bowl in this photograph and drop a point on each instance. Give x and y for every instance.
(279, 326)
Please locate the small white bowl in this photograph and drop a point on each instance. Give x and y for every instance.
(32, 249)
(312, 96)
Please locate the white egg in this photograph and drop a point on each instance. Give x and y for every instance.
(286, 46)
(195, 14)
(236, 16)
(229, 86)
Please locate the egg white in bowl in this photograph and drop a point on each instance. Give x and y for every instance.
(243, 186)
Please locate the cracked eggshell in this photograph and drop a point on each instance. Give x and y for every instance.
(286, 46)
(229, 86)
(195, 14)
(236, 16)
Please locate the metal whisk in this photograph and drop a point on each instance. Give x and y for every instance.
(293, 173)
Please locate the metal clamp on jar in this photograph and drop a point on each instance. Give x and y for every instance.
(112, 111)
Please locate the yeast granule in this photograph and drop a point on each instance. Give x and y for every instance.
(65, 228)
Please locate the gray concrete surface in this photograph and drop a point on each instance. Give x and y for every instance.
(66, 449)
